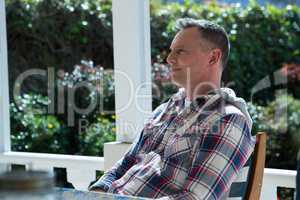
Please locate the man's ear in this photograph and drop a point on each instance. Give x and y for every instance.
(215, 56)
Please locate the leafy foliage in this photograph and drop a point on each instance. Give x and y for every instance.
(93, 139)
(32, 129)
(61, 33)
(262, 39)
(37, 130)
(57, 34)
(281, 120)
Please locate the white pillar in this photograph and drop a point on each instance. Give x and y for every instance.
(132, 60)
(4, 94)
(4, 98)
(114, 151)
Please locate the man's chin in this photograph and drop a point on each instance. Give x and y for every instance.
(176, 82)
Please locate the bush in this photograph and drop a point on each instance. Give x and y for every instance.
(54, 33)
(95, 135)
(291, 72)
(32, 129)
(162, 87)
(281, 120)
(262, 38)
(35, 129)
(92, 86)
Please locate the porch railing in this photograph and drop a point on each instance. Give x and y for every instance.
(81, 170)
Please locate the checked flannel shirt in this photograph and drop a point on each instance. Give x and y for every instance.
(200, 163)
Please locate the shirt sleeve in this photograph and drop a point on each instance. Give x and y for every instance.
(126, 162)
(120, 168)
(219, 154)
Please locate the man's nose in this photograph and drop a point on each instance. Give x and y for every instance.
(171, 58)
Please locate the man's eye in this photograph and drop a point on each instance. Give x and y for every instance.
(179, 51)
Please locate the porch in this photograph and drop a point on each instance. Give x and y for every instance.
(81, 170)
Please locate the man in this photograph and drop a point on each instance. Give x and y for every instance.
(194, 145)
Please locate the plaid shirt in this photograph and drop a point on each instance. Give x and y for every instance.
(199, 163)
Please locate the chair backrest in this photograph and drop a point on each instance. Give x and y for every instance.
(247, 185)
(257, 168)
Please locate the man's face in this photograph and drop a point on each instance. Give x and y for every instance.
(189, 58)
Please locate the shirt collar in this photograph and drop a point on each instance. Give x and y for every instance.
(197, 102)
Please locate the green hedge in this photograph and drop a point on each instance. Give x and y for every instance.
(262, 39)
(281, 120)
(33, 130)
(59, 34)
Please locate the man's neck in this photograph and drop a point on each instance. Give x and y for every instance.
(194, 92)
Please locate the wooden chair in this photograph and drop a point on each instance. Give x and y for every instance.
(255, 178)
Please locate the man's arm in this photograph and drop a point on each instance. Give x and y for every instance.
(119, 169)
(220, 153)
(128, 160)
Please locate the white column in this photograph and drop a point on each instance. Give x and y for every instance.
(4, 95)
(131, 35)
(114, 151)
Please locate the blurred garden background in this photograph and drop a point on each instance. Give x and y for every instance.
(74, 38)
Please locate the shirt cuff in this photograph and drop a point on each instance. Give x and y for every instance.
(99, 185)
